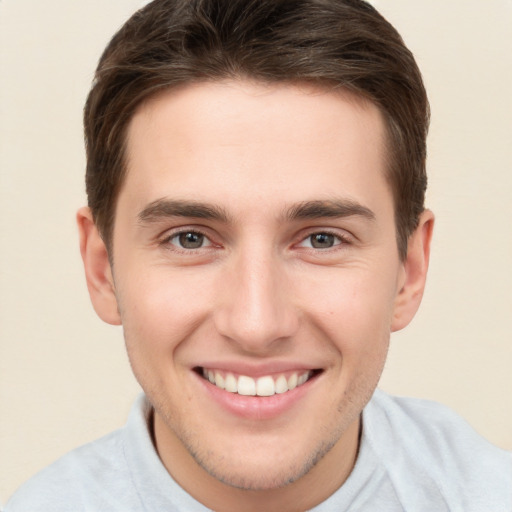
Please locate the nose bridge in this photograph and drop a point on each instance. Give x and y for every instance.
(256, 309)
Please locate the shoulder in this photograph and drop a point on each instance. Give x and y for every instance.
(90, 472)
(96, 476)
(425, 443)
(120, 472)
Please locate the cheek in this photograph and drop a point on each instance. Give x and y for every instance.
(157, 317)
(354, 310)
(353, 300)
(160, 308)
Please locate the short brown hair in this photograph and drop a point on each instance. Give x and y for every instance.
(334, 43)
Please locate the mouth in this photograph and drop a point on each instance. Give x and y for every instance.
(264, 386)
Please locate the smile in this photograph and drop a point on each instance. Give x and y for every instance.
(267, 385)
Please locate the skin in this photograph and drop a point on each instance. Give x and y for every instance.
(257, 294)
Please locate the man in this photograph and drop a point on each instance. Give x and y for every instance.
(256, 222)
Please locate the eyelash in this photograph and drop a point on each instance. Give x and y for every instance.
(167, 240)
(340, 240)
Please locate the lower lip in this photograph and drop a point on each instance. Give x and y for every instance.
(256, 407)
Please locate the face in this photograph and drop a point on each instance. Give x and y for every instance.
(256, 275)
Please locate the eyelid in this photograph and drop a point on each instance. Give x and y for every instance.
(165, 238)
(206, 242)
(343, 238)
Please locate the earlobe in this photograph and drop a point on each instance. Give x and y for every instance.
(415, 272)
(97, 268)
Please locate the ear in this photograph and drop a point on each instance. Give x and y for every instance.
(415, 269)
(98, 272)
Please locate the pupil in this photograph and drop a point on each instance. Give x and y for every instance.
(322, 241)
(191, 240)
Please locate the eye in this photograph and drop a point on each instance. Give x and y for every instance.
(322, 240)
(189, 240)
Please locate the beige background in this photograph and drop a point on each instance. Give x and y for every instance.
(64, 377)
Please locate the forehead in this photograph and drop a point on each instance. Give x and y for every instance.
(233, 140)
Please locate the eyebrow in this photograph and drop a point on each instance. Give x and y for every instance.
(163, 208)
(335, 208)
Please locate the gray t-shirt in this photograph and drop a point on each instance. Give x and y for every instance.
(415, 456)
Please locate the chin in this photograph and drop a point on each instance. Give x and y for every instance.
(262, 473)
(257, 479)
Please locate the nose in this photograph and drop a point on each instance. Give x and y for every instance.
(255, 307)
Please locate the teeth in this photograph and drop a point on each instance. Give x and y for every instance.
(219, 380)
(302, 379)
(230, 383)
(292, 381)
(281, 384)
(246, 386)
(263, 386)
